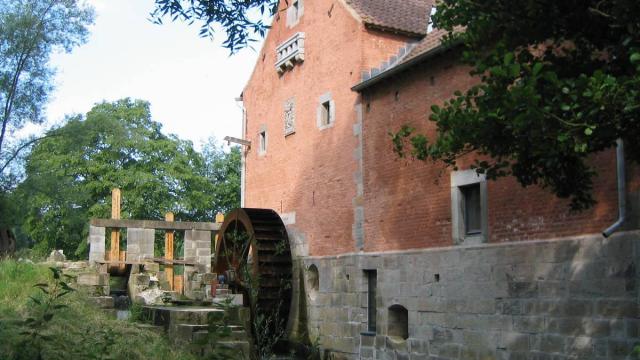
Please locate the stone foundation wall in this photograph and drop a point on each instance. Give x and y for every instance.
(558, 299)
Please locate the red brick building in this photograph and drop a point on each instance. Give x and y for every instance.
(408, 259)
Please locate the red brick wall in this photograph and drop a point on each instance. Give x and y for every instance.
(408, 203)
(311, 172)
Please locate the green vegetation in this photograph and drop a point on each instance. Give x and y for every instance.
(70, 173)
(30, 30)
(551, 90)
(76, 330)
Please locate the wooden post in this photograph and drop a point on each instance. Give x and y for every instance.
(115, 233)
(168, 250)
(219, 220)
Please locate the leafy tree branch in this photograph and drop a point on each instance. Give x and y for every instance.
(551, 90)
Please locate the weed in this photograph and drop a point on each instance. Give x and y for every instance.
(43, 309)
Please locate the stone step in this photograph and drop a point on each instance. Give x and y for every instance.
(222, 292)
(236, 299)
(193, 315)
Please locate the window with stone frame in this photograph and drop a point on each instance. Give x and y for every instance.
(326, 116)
(471, 209)
(262, 141)
(294, 12)
(469, 216)
(289, 117)
(372, 309)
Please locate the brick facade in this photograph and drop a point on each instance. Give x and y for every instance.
(419, 192)
(311, 172)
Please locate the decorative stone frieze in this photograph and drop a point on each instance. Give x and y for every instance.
(289, 116)
(290, 52)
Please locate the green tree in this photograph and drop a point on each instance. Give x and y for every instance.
(30, 30)
(558, 81)
(70, 174)
(223, 169)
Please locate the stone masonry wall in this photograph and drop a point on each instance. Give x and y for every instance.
(574, 298)
(96, 243)
(197, 248)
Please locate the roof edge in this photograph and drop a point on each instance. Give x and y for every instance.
(374, 26)
(403, 66)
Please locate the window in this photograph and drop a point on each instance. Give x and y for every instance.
(294, 12)
(430, 25)
(312, 281)
(326, 112)
(469, 207)
(262, 142)
(372, 284)
(471, 213)
(296, 9)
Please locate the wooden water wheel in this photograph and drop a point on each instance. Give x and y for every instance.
(254, 244)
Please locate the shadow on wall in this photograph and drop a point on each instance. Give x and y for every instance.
(577, 298)
(559, 298)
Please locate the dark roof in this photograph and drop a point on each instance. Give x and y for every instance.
(408, 56)
(405, 16)
(428, 43)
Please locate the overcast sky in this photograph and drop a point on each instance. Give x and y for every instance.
(191, 82)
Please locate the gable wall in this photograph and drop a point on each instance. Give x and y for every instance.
(311, 173)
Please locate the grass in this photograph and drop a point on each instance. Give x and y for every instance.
(79, 331)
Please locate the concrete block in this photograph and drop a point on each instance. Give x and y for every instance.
(103, 302)
(203, 252)
(97, 236)
(617, 308)
(203, 244)
(152, 267)
(92, 279)
(620, 348)
(140, 242)
(528, 324)
(552, 343)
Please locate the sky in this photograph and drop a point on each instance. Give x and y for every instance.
(191, 82)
